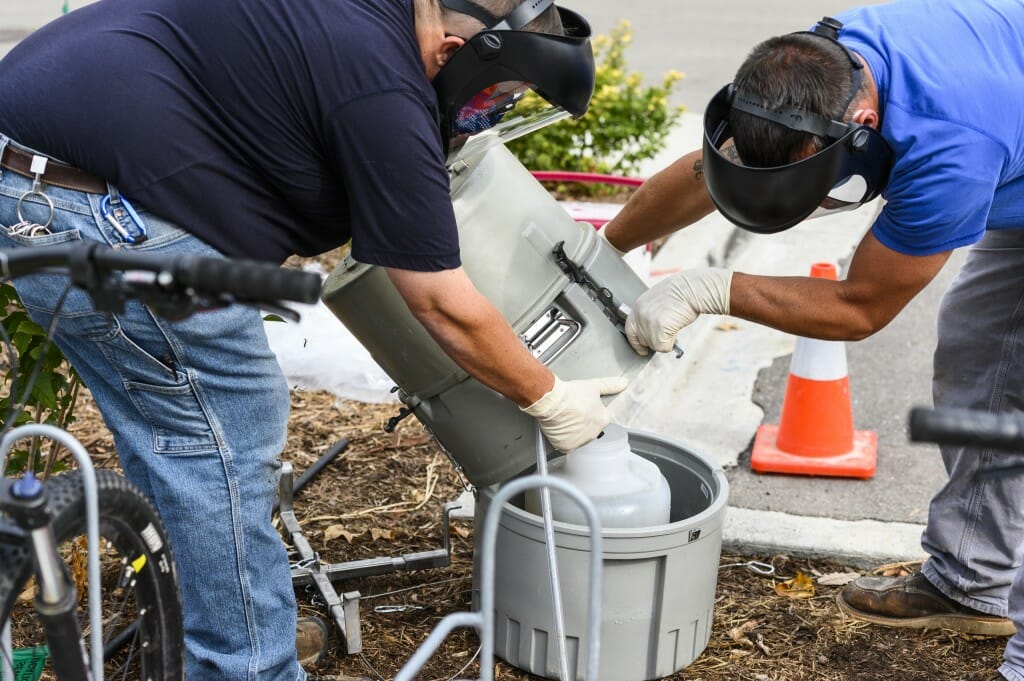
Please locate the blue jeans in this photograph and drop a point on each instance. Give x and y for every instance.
(198, 410)
(975, 531)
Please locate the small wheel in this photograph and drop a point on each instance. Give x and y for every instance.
(142, 620)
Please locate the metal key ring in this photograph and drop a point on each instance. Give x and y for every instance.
(47, 199)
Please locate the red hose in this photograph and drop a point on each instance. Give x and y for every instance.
(586, 178)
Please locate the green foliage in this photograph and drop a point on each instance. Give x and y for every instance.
(625, 124)
(53, 396)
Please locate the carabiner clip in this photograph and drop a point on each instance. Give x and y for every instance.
(386, 609)
(110, 214)
(755, 566)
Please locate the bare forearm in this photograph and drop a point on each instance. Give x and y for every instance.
(473, 333)
(480, 341)
(803, 306)
(879, 284)
(671, 199)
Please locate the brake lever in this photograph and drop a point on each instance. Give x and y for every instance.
(177, 310)
(170, 302)
(177, 307)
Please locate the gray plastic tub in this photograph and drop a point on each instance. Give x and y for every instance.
(659, 582)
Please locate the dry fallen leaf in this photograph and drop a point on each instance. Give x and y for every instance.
(78, 563)
(800, 586)
(29, 593)
(335, 531)
(739, 632)
(897, 569)
(838, 578)
(378, 533)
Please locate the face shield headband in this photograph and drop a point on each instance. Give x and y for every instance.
(484, 79)
(852, 169)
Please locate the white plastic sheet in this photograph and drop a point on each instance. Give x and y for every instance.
(319, 353)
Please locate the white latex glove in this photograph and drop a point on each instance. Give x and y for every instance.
(572, 414)
(604, 236)
(662, 311)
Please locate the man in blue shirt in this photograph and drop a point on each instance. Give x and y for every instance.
(258, 129)
(919, 101)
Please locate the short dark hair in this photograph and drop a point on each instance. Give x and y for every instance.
(549, 20)
(798, 70)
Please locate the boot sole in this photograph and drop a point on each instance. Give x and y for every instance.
(977, 625)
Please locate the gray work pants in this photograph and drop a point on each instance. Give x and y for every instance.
(975, 532)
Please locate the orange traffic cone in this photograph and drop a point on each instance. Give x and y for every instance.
(815, 435)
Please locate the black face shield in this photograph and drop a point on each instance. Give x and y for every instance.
(485, 78)
(851, 170)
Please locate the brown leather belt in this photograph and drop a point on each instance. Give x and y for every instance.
(57, 174)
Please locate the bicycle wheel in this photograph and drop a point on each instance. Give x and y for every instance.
(142, 620)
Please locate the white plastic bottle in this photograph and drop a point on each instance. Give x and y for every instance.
(628, 490)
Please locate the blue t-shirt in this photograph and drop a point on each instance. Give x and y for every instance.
(265, 127)
(950, 78)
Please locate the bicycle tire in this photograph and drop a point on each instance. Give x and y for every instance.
(151, 626)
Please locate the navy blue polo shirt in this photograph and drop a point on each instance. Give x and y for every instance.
(265, 127)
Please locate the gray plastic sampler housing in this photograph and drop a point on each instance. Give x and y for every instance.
(659, 582)
(509, 226)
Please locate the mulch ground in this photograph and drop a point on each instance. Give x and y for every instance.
(383, 495)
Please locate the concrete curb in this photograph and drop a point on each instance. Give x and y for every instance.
(862, 543)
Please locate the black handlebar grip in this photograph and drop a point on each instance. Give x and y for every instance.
(967, 427)
(248, 280)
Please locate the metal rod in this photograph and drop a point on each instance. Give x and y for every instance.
(483, 619)
(490, 539)
(314, 470)
(427, 649)
(6, 651)
(549, 541)
(52, 583)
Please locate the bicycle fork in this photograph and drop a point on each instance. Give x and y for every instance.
(56, 598)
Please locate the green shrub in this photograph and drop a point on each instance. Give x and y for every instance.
(625, 125)
(53, 395)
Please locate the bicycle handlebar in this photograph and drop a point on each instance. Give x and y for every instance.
(245, 279)
(249, 279)
(967, 427)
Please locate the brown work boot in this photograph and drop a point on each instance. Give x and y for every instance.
(913, 602)
(310, 640)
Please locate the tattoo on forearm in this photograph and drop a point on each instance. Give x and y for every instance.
(698, 170)
(730, 151)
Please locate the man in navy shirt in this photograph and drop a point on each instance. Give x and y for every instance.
(251, 128)
(919, 101)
